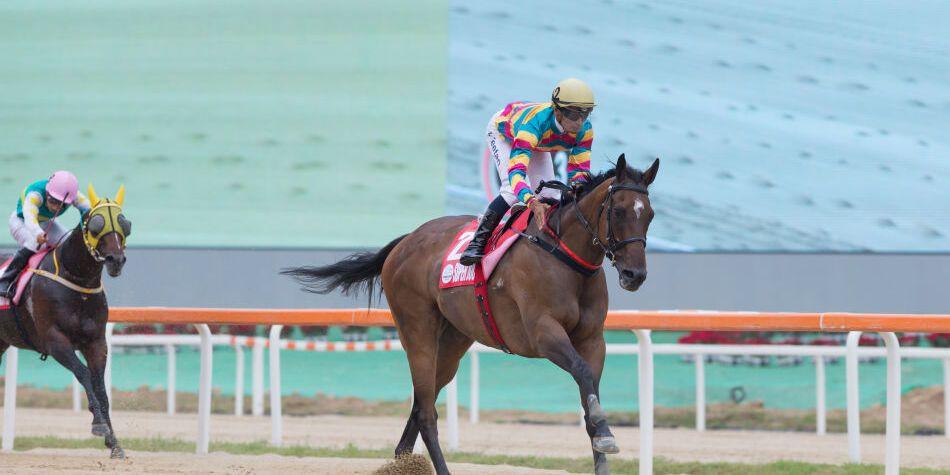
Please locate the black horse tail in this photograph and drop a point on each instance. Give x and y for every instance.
(354, 274)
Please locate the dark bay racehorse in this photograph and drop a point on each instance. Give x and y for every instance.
(64, 309)
(543, 308)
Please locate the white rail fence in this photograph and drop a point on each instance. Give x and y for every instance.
(205, 341)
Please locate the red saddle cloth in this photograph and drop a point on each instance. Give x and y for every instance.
(24, 278)
(455, 274)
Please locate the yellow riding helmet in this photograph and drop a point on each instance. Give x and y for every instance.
(572, 92)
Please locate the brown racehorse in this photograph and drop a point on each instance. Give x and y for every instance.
(63, 308)
(543, 308)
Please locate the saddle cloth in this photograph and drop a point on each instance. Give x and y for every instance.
(455, 274)
(24, 278)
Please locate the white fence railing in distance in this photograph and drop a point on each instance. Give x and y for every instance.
(205, 341)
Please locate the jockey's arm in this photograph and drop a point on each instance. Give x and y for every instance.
(521, 147)
(578, 160)
(82, 203)
(31, 213)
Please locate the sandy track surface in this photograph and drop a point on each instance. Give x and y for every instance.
(508, 439)
(64, 461)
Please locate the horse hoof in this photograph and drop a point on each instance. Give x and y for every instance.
(100, 430)
(117, 453)
(605, 445)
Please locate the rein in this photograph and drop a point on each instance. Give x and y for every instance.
(613, 244)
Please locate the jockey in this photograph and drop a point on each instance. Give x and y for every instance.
(33, 223)
(521, 138)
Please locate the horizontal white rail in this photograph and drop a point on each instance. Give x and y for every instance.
(697, 351)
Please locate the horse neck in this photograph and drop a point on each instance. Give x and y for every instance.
(573, 232)
(75, 262)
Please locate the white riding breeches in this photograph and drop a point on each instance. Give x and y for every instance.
(25, 237)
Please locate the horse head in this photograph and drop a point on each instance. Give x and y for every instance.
(624, 219)
(105, 229)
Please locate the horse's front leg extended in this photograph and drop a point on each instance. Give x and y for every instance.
(63, 351)
(96, 354)
(554, 344)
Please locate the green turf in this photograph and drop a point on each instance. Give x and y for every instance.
(574, 465)
(248, 124)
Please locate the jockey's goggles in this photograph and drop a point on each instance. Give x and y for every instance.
(575, 113)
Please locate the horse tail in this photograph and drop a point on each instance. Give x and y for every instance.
(354, 274)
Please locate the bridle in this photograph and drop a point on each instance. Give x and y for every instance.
(613, 244)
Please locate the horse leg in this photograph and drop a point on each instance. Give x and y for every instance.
(419, 332)
(554, 344)
(95, 354)
(63, 351)
(593, 350)
(452, 347)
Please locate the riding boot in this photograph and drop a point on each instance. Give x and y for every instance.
(13, 270)
(476, 249)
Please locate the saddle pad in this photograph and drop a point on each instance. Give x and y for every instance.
(24, 278)
(455, 274)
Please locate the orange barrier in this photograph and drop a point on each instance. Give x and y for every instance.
(616, 320)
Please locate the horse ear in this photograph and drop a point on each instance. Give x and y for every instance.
(93, 197)
(120, 195)
(650, 174)
(621, 168)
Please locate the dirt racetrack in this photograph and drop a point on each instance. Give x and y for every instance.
(382, 432)
(64, 461)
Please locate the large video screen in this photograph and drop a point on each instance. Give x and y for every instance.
(273, 124)
(781, 126)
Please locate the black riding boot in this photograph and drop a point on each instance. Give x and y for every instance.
(13, 270)
(476, 249)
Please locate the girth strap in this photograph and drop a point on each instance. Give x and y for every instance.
(484, 308)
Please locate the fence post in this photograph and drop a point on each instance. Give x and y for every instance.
(238, 380)
(204, 390)
(257, 377)
(452, 406)
(77, 397)
(107, 378)
(172, 376)
(473, 389)
(700, 392)
(276, 429)
(820, 413)
(9, 399)
(892, 437)
(853, 401)
(645, 370)
(946, 398)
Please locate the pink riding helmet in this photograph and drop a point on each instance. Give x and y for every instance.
(63, 186)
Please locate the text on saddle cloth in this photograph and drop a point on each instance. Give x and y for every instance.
(454, 274)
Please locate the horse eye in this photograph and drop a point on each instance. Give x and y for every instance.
(619, 213)
(125, 224)
(96, 224)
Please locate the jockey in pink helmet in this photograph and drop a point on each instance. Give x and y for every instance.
(33, 222)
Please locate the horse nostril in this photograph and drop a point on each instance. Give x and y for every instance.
(635, 275)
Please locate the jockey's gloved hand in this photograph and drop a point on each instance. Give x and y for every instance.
(578, 187)
(550, 201)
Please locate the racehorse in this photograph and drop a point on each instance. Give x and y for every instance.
(64, 309)
(543, 307)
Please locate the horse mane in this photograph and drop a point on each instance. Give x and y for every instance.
(633, 175)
